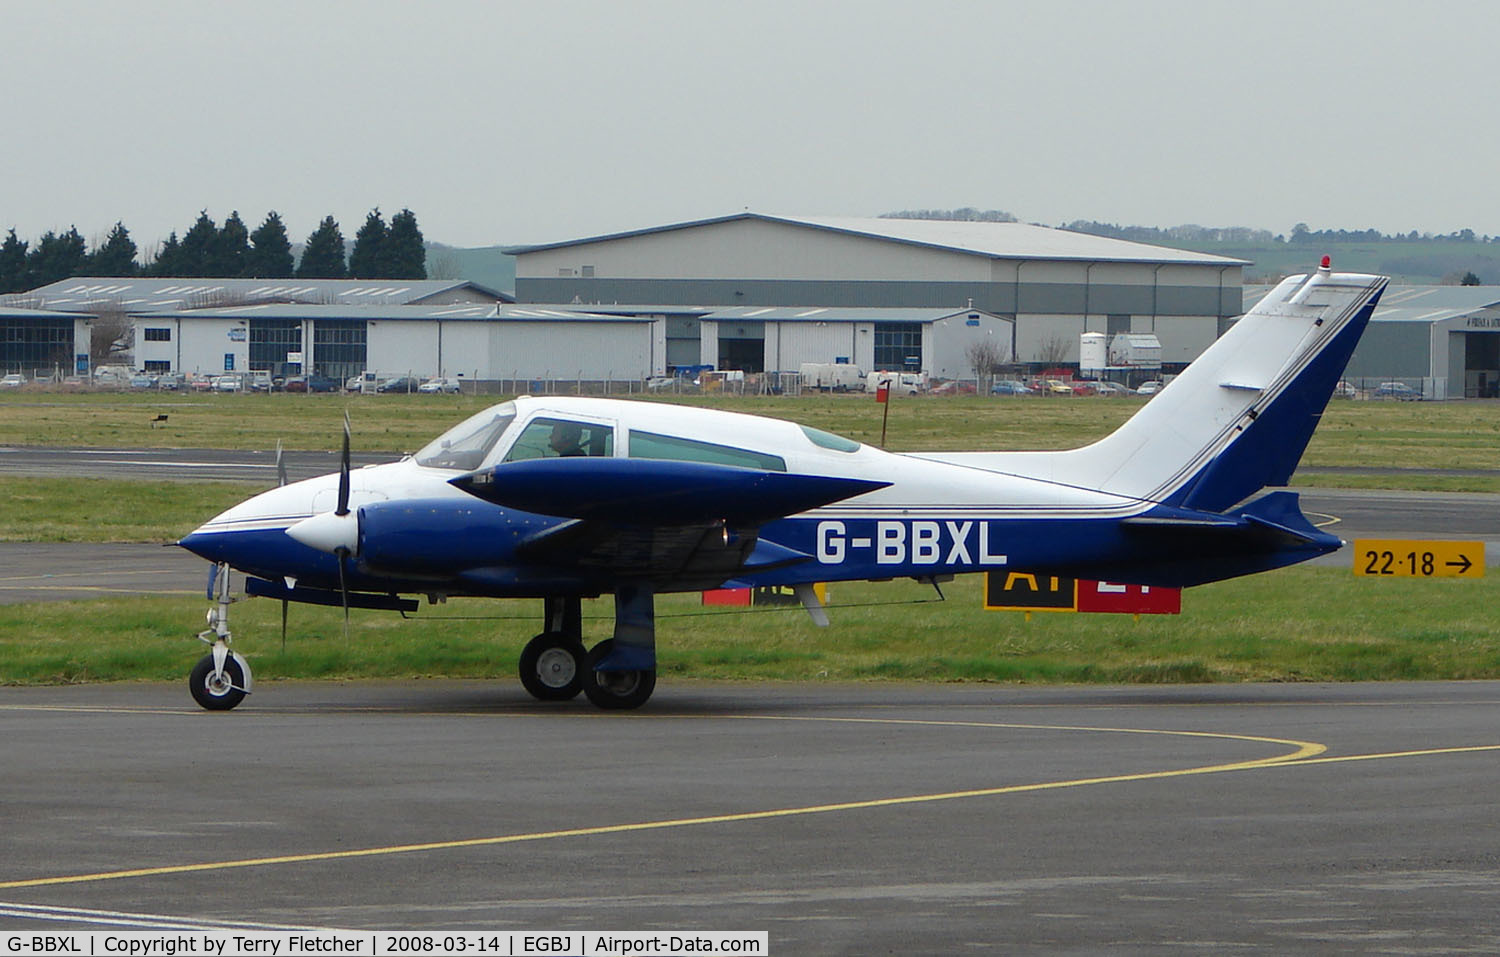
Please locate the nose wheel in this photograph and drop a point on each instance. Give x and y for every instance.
(218, 689)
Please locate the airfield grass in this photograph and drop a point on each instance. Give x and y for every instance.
(1304, 624)
(1353, 434)
(1300, 624)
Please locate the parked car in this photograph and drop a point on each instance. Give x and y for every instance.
(229, 383)
(1056, 387)
(1150, 387)
(954, 387)
(1396, 390)
(441, 384)
(399, 384)
(13, 380)
(364, 382)
(1010, 387)
(1110, 388)
(142, 381)
(1345, 390)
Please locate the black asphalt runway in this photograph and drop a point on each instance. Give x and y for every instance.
(839, 819)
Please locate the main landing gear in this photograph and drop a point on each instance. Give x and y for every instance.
(221, 679)
(618, 673)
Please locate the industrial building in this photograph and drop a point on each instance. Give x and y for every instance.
(33, 340)
(1053, 284)
(480, 342)
(135, 294)
(1441, 341)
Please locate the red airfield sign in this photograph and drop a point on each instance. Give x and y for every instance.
(1026, 591)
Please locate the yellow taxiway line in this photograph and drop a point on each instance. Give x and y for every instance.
(1303, 753)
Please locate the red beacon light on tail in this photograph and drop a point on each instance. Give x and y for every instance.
(1326, 266)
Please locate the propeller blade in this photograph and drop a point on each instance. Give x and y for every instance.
(343, 508)
(280, 465)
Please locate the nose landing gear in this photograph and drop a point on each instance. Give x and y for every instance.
(221, 679)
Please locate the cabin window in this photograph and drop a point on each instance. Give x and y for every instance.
(828, 440)
(548, 438)
(649, 445)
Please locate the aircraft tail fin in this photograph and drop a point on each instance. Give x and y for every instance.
(1239, 417)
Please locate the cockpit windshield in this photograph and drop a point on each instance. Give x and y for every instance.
(465, 446)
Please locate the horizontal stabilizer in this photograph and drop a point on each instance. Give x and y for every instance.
(1281, 512)
(1181, 547)
(655, 492)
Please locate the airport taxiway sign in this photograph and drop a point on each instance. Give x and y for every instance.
(1403, 558)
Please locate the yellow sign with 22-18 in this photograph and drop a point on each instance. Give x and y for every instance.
(1387, 558)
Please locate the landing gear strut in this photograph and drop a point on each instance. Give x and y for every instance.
(221, 679)
(620, 672)
(617, 673)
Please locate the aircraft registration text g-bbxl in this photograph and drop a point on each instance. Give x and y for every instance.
(914, 541)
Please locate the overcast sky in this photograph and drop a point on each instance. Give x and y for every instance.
(521, 122)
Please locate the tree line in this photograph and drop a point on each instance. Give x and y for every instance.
(380, 251)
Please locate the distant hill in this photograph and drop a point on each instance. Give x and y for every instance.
(1421, 262)
(486, 265)
(1406, 258)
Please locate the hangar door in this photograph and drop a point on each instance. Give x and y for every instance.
(742, 345)
(1481, 365)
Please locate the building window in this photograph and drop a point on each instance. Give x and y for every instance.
(271, 340)
(1115, 325)
(898, 345)
(157, 365)
(29, 344)
(158, 335)
(588, 272)
(339, 347)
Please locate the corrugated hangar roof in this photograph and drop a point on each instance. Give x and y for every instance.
(466, 311)
(20, 312)
(833, 314)
(994, 240)
(1415, 303)
(134, 294)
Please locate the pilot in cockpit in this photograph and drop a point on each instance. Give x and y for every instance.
(567, 439)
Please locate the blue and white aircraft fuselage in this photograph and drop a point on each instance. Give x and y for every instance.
(567, 498)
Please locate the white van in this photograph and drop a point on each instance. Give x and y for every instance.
(832, 377)
(908, 383)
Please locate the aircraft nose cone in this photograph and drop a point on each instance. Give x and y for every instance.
(327, 532)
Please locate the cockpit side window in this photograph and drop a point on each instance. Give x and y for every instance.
(650, 445)
(465, 446)
(549, 438)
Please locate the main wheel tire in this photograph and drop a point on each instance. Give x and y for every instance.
(615, 690)
(552, 667)
(217, 694)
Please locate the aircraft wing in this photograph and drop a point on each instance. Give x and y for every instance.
(656, 491)
(680, 524)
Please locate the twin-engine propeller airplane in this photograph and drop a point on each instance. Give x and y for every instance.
(569, 498)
